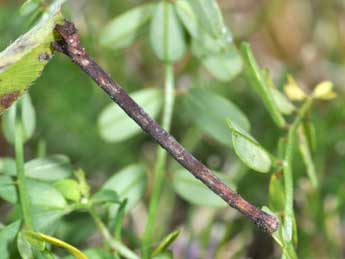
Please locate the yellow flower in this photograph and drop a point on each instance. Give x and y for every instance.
(324, 91)
(293, 91)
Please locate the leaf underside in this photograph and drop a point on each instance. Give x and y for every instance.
(23, 61)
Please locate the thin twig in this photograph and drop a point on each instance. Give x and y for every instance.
(68, 43)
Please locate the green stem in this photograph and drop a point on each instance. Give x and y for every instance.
(288, 175)
(114, 244)
(160, 171)
(25, 203)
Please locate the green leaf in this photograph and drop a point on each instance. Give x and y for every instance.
(195, 192)
(224, 66)
(69, 189)
(7, 238)
(114, 124)
(29, 7)
(221, 59)
(166, 242)
(123, 30)
(188, 18)
(203, 43)
(23, 61)
(45, 195)
(8, 166)
(166, 33)
(105, 196)
(209, 111)
(283, 103)
(129, 183)
(210, 16)
(51, 168)
(249, 150)
(33, 9)
(307, 157)
(276, 193)
(24, 247)
(46, 219)
(8, 190)
(27, 115)
(259, 84)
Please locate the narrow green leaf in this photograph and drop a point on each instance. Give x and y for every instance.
(120, 215)
(193, 191)
(288, 228)
(129, 183)
(307, 157)
(249, 150)
(8, 190)
(69, 188)
(23, 61)
(259, 84)
(166, 242)
(26, 112)
(209, 111)
(7, 238)
(310, 133)
(276, 193)
(166, 33)
(123, 30)
(114, 124)
(105, 196)
(52, 168)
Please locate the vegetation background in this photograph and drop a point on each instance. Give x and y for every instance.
(301, 37)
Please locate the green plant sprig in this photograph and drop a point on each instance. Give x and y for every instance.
(160, 166)
(25, 202)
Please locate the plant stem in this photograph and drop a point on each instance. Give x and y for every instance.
(160, 166)
(288, 175)
(25, 203)
(114, 244)
(69, 44)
